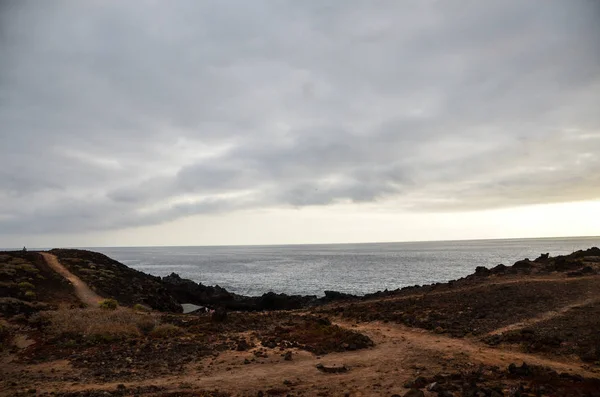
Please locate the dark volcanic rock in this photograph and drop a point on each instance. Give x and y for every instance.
(273, 301)
(187, 291)
(523, 370)
(543, 258)
(523, 265)
(482, 271)
(335, 296)
(499, 269)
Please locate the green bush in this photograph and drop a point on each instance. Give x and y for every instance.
(26, 285)
(141, 308)
(30, 295)
(28, 268)
(109, 304)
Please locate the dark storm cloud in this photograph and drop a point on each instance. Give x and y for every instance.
(117, 114)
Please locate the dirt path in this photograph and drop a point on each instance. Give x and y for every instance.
(84, 293)
(543, 316)
(400, 354)
(444, 346)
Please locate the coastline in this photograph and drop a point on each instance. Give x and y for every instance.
(525, 325)
(356, 269)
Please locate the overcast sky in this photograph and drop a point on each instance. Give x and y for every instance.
(257, 122)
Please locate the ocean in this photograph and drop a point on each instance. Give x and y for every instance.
(351, 268)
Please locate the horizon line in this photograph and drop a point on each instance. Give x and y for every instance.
(315, 244)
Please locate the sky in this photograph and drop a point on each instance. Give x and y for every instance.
(130, 123)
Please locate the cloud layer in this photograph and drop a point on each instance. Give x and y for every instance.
(117, 114)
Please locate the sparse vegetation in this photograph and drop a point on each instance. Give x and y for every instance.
(147, 324)
(5, 334)
(96, 324)
(26, 285)
(166, 331)
(141, 308)
(109, 304)
(317, 335)
(24, 276)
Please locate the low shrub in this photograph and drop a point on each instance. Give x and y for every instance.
(146, 325)
(28, 268)
(166, 331)
(26, 286)
(141, 308)
(109, 304)
(30, 295)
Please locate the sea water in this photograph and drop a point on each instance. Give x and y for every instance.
(351, 268)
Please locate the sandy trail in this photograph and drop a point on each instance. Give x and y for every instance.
(84, 293)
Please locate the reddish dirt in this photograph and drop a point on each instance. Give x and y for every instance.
(400, 355)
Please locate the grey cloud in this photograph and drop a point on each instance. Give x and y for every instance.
(120, 114)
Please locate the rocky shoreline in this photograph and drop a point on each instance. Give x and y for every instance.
(172, 288)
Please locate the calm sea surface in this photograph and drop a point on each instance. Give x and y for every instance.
(351, 268)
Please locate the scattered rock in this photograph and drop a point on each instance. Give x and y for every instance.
(523, 370)
(242, 345)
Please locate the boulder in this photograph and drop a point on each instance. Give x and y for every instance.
(336, 296)
(499, 269)
(482, 271)
(523, 265)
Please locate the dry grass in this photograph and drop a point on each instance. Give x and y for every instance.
(99, 324)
